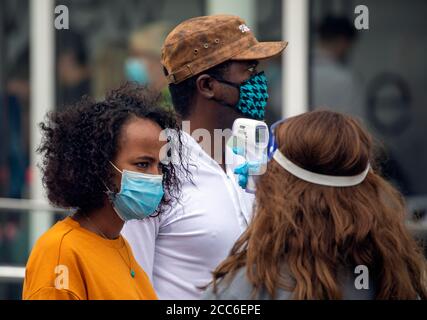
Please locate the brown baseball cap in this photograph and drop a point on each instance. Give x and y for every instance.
(201, 43)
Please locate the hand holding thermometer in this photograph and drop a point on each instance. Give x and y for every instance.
(250, 140)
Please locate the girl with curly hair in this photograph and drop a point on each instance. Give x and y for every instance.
(323, 215)
(103, 160)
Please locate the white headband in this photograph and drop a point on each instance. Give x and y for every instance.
(322, 179)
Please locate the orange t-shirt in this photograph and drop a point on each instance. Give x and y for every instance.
(70, 262)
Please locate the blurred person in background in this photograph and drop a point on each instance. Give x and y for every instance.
(73, 71)
(273, 70)
(103, 159)
(15, 117)
(334, 85)
(107, 68)
(15, 163)
(143, 63)
(322, 210)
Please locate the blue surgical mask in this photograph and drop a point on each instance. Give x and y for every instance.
(253, 96)
(136, 70)
(140, 195)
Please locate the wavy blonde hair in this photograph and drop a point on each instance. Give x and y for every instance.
(314, 230)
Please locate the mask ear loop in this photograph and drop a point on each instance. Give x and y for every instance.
(108, 191)
(225, 103)
(232, 84)
(115, 167)
(235, 85)
(110, 194)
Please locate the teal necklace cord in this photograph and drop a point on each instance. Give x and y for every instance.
(132, 272)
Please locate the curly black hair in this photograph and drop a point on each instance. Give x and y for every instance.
(79, 142)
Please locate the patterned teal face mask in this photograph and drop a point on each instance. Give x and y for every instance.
(253, 96)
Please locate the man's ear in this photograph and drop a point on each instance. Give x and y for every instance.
(205, 86)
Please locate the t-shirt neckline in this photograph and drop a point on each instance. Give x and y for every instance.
(117, 243)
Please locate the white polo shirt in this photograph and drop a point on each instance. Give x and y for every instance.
(179, 250)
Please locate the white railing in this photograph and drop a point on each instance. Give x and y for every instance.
(26, 206)
(12, 274)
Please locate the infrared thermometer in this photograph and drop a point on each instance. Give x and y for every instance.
(250, 140)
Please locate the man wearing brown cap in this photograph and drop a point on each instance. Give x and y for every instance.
(211, 66)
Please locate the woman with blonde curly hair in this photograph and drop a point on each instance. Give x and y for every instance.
(322, 210)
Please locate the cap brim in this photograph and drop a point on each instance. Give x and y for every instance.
(262, 50)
